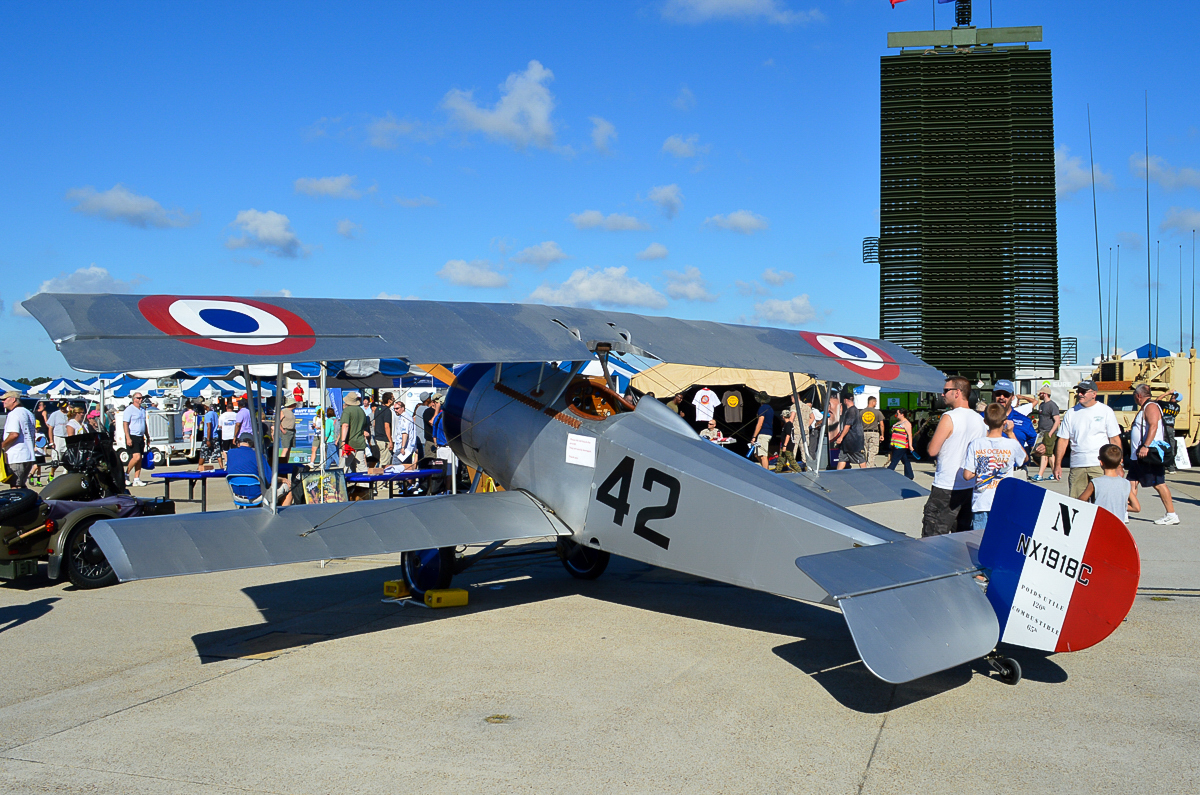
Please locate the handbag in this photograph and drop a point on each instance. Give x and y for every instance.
(6, 475)
(1156, 454)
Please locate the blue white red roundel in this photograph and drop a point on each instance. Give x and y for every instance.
(861, 357)
(230, 325)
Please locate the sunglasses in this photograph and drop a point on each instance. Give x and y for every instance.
(950, 389)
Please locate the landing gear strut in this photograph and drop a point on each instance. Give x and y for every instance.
(1009, 670)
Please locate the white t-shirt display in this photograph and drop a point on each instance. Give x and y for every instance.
(992, 460)
(1088, 429)
(228, 422)
(968, 426)
(705, 401)
(20, 421)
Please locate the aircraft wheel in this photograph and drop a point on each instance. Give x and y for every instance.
(86, 565)
(1009, 670)
(428, 570)
(582, 563)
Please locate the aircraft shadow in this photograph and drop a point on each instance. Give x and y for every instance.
(14, 616)
(343, 604)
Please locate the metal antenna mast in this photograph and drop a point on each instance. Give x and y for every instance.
(1149, 307)
(1096, 229)
(1157, 291)
(1108, 308)
(1180, 299)
(1117, 306)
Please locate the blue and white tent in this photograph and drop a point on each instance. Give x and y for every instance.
(622, 370)
(1147, 351)
(59, 387)
(204, 387)
(9, 386)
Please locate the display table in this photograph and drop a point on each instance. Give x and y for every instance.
(191, 477)
(392, 478)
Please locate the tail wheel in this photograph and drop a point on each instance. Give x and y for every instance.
(85, 562)
(582, 563)
(428, 570)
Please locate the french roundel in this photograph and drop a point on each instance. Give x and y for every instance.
(861, 357)
(230, 325)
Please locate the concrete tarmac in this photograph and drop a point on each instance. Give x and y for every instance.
(298, 679)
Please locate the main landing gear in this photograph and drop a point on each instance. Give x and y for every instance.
(429, 569)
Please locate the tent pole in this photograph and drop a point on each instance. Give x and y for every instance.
(275, 438)
(257, 427)
(823, 439)
(796, 415)
(320, 463)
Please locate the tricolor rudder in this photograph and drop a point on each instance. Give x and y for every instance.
(1063, 573)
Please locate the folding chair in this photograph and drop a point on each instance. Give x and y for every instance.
(246, 490)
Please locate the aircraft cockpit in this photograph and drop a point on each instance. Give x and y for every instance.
(592, 399)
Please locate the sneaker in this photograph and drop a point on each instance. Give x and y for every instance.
(1034, 478)
(1171, 518)
(138, 482)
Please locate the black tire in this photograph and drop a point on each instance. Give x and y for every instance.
(428, 570)
(85, 564)
(123, 456)
(582, 563)
(16, 502)
(1011, 674)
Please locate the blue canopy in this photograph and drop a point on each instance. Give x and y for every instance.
(203, 387)
(59, 386)
(8, 386)
(1148, 351)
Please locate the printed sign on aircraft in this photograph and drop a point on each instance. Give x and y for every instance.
(230, 325)
(861, 357)
(1063, 572)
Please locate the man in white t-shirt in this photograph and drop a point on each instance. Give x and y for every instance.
(948, 509)
(1086, 427)
(133, 420)
(57, 424)
(228, 423)
(705, 401)
(404, 437)
(19, 435)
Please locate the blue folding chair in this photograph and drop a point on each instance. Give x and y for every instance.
(246, 490)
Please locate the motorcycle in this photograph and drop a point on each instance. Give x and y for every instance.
(55, 526)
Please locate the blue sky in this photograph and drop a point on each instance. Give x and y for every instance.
(712, 159)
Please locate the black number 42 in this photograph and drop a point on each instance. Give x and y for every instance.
(620, 479)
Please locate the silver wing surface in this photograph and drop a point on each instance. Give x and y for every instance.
(849, 487)
(114, 333)
(164, 546)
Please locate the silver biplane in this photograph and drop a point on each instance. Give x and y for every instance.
(605, 477)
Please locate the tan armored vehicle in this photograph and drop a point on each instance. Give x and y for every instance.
(1165, 375)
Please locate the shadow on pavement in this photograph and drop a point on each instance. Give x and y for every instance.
(14, 616)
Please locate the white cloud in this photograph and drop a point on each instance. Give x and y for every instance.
(1070, 175)
(742, 221)
(750, 288)
(686, 99)
(92, 279)
(347, 228)
(386, 131)
(476, 273)
(777, 278)
(791, 312)
(688, 285)
(594, 219)
(772, 11)
(1161, 172)
(1181, 219)
(282, 293)
(419, 201)
(268, 230)
(607, 287)
(653, 251)
(542, 255)
(1131, 240)
(335, 187)
(521, 116)
(668, 198)
(118, 203)
(684, 147)
(602, 131)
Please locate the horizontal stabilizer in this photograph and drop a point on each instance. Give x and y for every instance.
(913, 606)
(848, 487)
(164, 546)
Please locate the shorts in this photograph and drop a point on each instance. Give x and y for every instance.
(137, 445)
(1147, 474)
(20, 471)
(226, 445)
(947, 511)
(1079, 478)
(853, 456)
(762, 442)
(287, 439)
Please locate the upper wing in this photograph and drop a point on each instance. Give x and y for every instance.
(163, 546)
(106, 333)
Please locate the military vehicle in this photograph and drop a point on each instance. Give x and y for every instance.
(1165, 375)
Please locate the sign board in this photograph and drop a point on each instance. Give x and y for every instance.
(581, 450)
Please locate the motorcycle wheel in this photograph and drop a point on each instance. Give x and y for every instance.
(85, 563)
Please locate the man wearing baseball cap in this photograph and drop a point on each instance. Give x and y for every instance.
(19, 435)
(1087, 426)
(240, 461)
(1049, 417)
(1006, 395)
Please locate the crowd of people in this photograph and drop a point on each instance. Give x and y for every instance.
(35, 441)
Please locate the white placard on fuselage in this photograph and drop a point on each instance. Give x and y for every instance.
(581, 450)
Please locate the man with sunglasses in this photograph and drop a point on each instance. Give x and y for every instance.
(133, 419)
(948, 509)
(1086, 427)
(1022, 427)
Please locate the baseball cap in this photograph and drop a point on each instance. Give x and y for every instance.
(246, 437)
(1086, 385)
(424, 396)
(12, 393)
(1004, 385)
